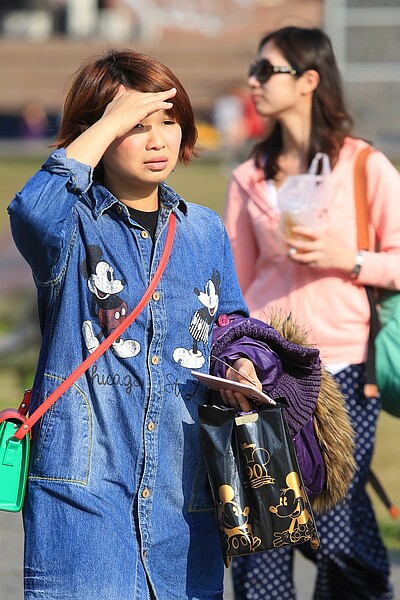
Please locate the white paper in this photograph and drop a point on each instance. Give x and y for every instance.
(219, 383)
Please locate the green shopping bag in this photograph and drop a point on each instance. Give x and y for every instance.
(387, 359)
(14, 460)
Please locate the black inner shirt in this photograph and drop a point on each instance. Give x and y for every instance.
(148, 220)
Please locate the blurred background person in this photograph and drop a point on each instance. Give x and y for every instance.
(317, 276)
(228, 119)
(237, 122)
(34, 121)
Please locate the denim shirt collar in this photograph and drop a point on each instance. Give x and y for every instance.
(103, 200)
(100, 198)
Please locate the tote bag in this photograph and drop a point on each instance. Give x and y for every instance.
(258, 492)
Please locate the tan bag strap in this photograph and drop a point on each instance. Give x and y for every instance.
(362, 221)
(360, 197)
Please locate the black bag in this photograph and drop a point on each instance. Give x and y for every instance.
(255, 480)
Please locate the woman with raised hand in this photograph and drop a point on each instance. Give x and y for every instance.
(118, 505)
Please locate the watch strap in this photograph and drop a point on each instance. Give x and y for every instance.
(357, 267)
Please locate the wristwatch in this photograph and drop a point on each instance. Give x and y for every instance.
(357, 267)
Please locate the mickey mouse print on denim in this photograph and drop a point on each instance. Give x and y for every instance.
(200, 323)
(108, 308)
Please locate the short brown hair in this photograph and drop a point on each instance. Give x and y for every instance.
(97, 81)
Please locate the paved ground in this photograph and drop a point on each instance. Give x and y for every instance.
(11, 571)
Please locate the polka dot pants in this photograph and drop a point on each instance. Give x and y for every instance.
(352, 563)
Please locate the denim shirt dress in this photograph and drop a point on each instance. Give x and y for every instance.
(118, 506)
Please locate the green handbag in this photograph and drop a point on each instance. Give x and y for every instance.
(14, 457)
(387, 352)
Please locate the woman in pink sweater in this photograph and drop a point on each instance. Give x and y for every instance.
(318, 276)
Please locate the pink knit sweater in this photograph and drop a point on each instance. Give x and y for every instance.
(332, 306)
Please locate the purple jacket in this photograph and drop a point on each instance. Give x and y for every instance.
(284, 369)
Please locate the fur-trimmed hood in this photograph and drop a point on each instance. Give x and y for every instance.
(331, 421)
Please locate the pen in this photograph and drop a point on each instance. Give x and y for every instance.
(242, 375)
(233, 369)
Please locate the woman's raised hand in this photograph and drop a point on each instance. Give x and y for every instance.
(130, 107)
(126, 110)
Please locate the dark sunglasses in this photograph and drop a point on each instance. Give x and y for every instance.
(262, 70)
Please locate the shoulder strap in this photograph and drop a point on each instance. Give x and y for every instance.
(362, 220)
(67, 383)
(360, 197)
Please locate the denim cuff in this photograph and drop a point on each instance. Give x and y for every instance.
(80, 175)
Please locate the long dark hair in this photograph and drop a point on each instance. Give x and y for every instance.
(96, 83)
(330, 121)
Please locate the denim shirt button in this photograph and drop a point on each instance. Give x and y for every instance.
(223, 320)
(151, 426)
(146, 493)
(156, 296)
(155, 360)
(144, 234)
(118, 209)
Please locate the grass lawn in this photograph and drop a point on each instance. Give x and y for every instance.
(204, 182)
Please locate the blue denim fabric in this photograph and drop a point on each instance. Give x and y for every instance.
(118, 505)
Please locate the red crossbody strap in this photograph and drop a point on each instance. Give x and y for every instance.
(67, 383)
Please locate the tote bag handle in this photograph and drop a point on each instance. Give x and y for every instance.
(326, 167)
